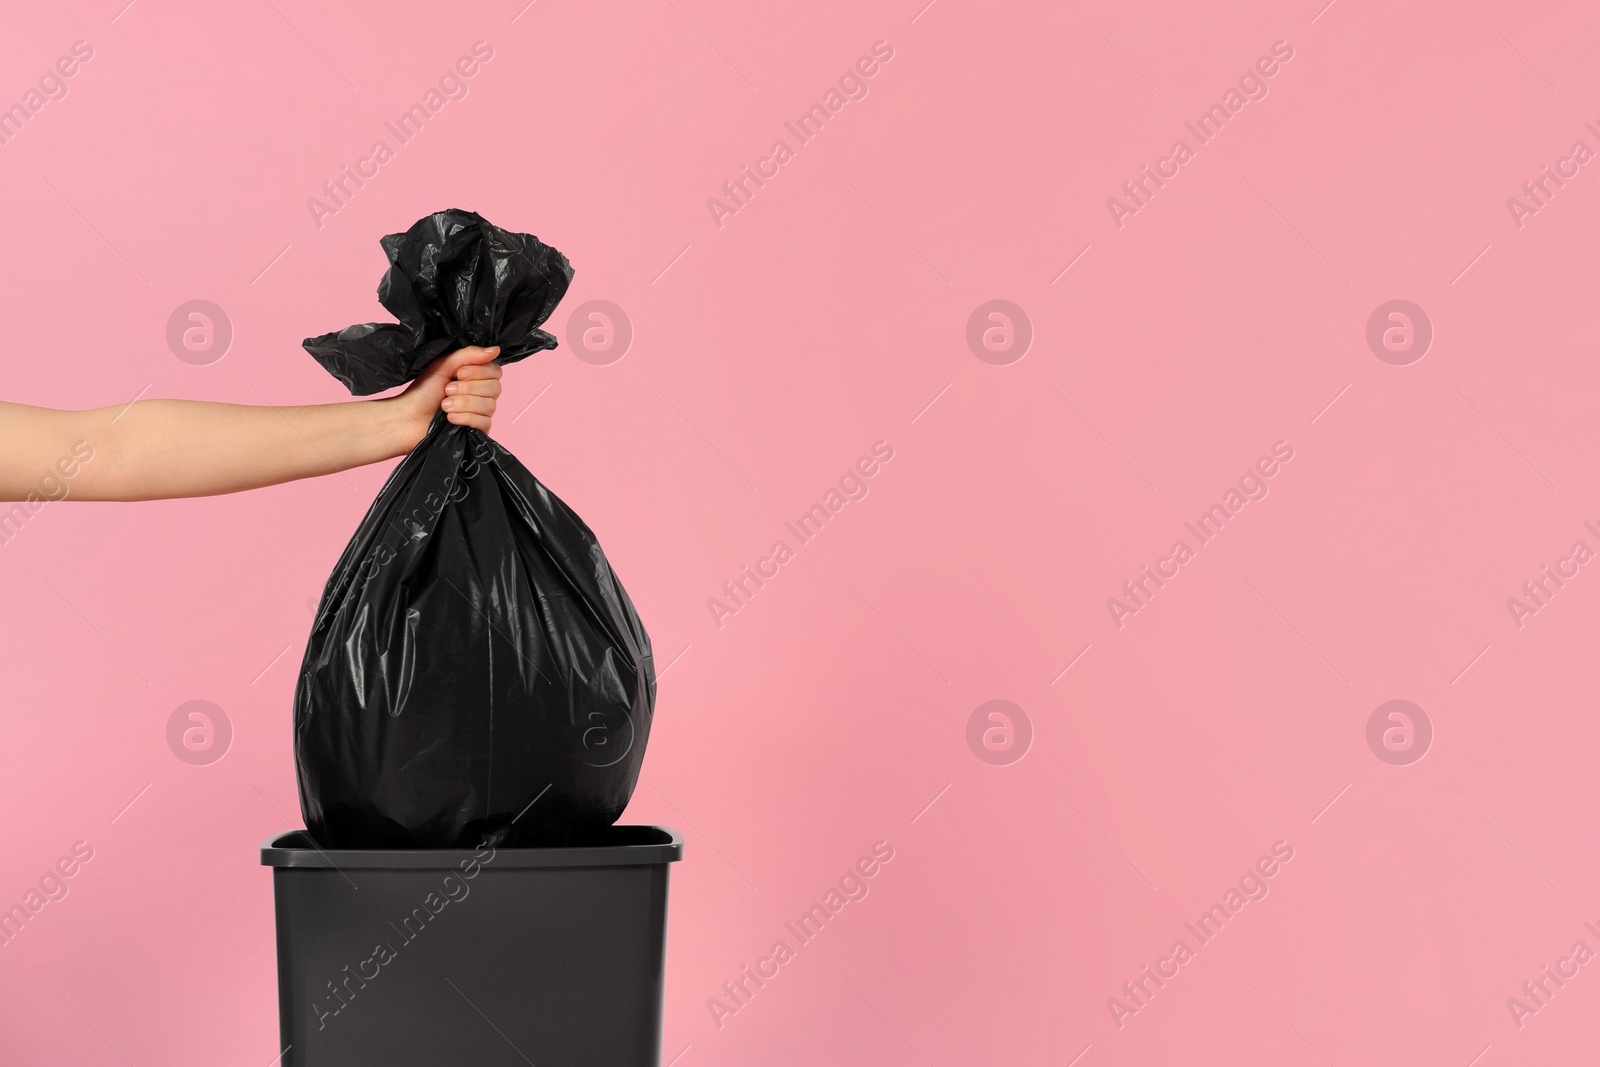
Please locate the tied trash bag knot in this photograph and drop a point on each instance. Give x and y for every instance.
(476, 673)
(454, 279)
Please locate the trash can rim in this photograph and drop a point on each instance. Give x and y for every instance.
(635, 846)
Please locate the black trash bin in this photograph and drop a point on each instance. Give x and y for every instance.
(495, 956)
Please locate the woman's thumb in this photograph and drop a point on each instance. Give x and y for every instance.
(446, 366)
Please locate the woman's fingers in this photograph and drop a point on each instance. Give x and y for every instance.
(475, 383)
(478, 405)
(469, 410)
(484, 387)
(477, 422)
(465, 409)
(478, 371)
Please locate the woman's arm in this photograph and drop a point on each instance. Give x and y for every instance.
(155, 449)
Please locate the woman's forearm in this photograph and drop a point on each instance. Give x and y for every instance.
(181, 448)
(178, 448)
(153, 449)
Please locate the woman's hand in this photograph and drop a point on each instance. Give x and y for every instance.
(464, 383)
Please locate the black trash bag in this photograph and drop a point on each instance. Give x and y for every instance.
(476, 673)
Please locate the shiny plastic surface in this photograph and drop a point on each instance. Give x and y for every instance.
(476, 672)
(454, 279)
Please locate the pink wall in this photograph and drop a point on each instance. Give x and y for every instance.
(1171, 348)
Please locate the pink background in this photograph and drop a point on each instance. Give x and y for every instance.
(1229, 313)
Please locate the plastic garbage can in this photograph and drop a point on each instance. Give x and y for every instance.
(495, 956)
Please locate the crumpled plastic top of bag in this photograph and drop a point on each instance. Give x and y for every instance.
(454, 279)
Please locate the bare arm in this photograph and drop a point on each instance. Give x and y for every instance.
(180, 448)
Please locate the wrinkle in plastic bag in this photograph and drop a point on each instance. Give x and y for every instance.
(454, 279)
(476, 672)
